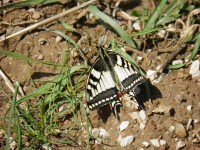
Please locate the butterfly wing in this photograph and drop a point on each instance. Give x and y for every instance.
(100, 89)
(128, 76)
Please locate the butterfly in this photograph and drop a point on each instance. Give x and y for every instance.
(111, 77)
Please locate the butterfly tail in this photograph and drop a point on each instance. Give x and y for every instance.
(114, 106)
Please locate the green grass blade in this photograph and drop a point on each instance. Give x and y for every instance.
(172, 12)
(69, 27)
(114, 25)
(67, 38)
(196, 47)
(10, 118)
(156, 14)
(27, 3)
(146, 32)
(22, 57)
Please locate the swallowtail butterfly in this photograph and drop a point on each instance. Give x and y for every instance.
(111, 77)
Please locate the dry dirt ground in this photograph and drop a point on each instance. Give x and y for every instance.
(173, 86)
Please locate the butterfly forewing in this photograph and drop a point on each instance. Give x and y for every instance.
(100, 88)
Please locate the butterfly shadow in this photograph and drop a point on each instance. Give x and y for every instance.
(153, 90)
(104, 113)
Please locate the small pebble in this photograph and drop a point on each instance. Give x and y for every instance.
(137, 26)
(142, 115)
(2, 132)
(36, 15)
(177, 62)
(189, 107)
(145, 143)
(74, 53)
(139, 58)
(42, 41)
(27, 144)
(103, 133)
(195, 69)
(12, 143)
(179, 145)
(164, 109)
(196, 121)
(171, 129)
(179, 98)
(161, 33)
(155, 142)
(142, 126)
(126, 141)
(180, 130)
(196, 141)
(58, 39)
(46, 147)
(40, 57)
(95, 132)
(163, 142)
(123, 125)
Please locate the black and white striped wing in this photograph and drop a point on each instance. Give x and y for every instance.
(100, 89)
(128, 76)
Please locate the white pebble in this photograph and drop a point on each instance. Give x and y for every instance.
(145, 143)
(155, 142)
(177, 62)
(126, 141)
(142, 126)
(142, 115)
(189, 107)
(139, 58)
(40, 57)
(161, 33)
(136, 25)
(123, 125)
(172, 129)
(46, 147)
(163, 142)
(103, 133)
(12, 143)
(195, 69)
(95, 132)
(58, 39)
(179, 145)
(196, 121)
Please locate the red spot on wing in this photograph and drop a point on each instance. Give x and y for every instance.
(119, 94)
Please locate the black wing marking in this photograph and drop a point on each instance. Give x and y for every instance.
(101, 89)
